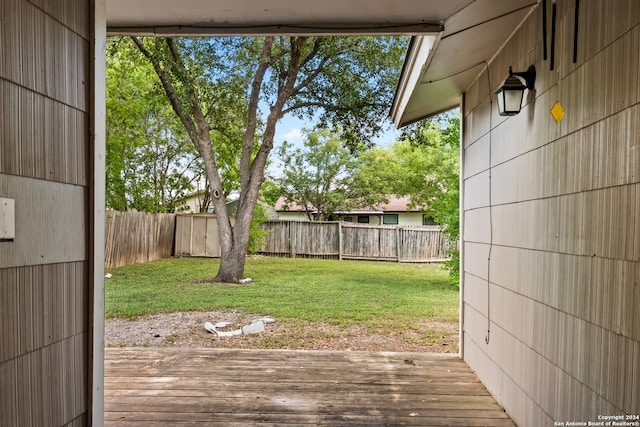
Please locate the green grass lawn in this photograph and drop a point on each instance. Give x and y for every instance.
(291, 290)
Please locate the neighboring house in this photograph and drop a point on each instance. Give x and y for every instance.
(192, 203)
(397, 211)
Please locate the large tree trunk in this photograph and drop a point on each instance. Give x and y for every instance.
(234, 240)
(232, 265)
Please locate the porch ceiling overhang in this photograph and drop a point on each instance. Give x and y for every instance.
(439, 68)
(253, 17)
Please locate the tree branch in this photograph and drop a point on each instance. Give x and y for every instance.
(169, 89)
(256, 87)
(330, 107)
(311, 77)
(181, 71)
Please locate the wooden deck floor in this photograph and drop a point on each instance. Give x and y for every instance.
(175, 387)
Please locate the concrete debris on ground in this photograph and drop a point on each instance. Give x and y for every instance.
(255, 327)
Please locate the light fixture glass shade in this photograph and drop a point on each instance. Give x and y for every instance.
(510, 96)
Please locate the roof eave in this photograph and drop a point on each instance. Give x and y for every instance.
(419, 55)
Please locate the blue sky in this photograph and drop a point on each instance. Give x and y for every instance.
(291, 129)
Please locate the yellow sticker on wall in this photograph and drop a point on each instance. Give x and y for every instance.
(557, 112)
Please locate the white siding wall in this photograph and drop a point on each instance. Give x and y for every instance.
(554, 208)
(292, 216)
(410, 218)
(45, 167)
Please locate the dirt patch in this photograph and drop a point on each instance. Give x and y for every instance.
(186, 329)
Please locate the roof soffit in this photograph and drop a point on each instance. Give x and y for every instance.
(250, 17)
(471, 38)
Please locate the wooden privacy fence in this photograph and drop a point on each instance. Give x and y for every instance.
(341, 240)
(132, 237)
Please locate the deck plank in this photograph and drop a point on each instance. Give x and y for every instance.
(181, 387)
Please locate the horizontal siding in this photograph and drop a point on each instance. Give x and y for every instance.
(552, 268)
(44, 167)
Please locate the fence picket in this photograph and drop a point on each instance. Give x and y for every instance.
(341, 240)
(132, 237)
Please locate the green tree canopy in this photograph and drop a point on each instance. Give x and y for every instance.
(424, 165)
(151, 161)
(323, 176)
(438, 139)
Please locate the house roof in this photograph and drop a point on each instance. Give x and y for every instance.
(395, 204)
(439, 68)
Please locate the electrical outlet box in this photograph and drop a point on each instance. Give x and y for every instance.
(7, 219)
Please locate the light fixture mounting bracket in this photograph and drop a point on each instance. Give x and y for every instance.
(529, 76)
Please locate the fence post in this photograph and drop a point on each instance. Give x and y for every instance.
(340, 240)
(398, 245)
(292, 245)
(191, 235)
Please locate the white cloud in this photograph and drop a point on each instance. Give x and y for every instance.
(294, 136)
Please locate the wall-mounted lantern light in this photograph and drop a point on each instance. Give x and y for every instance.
(511, 92)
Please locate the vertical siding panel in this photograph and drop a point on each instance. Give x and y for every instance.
(39, 51)
(3, 128)
(24, 391)
(27, 150)
(25, 316)
(79, 150)
(48, 289)
(60, 302)
(55, 390)
(84, 56)
(68, 291)
(38, 307)
(81, 344)
(9, 340)
(632, 399)
(39, 135)
(67, 366)
(10, 134)
(28, 72)
(82, 299)
(49, 141)
(70, 141)
(8, 401)
(39, 378)
(635, 317)
(11, 64)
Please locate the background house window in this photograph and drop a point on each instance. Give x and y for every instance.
(427, 220)
(390, 219)
(347, 219)
(363, 219)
